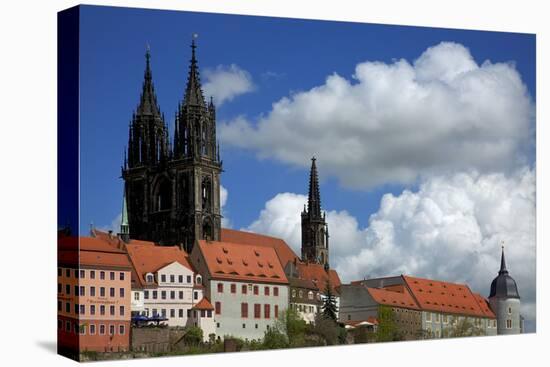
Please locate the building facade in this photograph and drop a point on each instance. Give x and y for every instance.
(93, 296)
(172, 191)
(421, 308)
(245, 284)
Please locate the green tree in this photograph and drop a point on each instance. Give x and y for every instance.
(462, 327)
(387, 328)
(193, 336)
(329, 330)
(293, 326)
(329, 303)
(275, 339)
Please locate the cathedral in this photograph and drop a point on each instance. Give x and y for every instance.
(172, 189)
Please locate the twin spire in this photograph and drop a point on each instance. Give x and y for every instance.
(193, 92)
(314, 197)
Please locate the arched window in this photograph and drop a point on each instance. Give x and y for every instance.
(206, 193)
(150, 278)
(199, 279)
(163, 195)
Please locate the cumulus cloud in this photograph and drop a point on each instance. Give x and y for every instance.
(226, 222)
(450, 229)
(224, 83)
(397, 122)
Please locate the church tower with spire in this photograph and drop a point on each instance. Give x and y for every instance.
(314, 227)
(173, 195)
(505, 301)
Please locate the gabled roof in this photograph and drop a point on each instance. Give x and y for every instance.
(204, 304)
(317, 274)
(149, 258)
(283, 250)
(435, 295)
(393, 298)
(89, 251)
(227, 260)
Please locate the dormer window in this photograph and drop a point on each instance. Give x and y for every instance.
(199, 279)
(150, 278)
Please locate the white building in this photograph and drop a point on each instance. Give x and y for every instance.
(245, 283)
(166, 284)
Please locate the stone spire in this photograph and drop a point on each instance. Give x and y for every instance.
(148, 100)
(124, 226)
(314, 197)
(193, 92)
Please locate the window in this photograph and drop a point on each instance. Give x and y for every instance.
(155, 312)
(445, 319)
(257, 310)
(220, 288)
(121, 330)
(111, 329)
(67, 289)
(76, 290)
(121, 310)
(82, 273)
(218, 308)
(244, 326)
(172, 278)
(82, 329)
(428, 317)
(59, 287)
(180, 313)
(209, 313)
(163, 278)
(172, 313)
(145, 294)
(112, 291)
(508, 324)
(203, 313)
(437, 317)
(163, 312)
(310, 295)
(189, 279)
(233, 288)
(243, 289)
(102, 292)
(76, 273)
(155, 294)
(180, 294)
(112, 275)
(82, 291)
(180, 278)
(67, 326)
(150, 278)
(68, 273)
(92, 309)
(59, 272)
(136, 296)
(82, 309)
(276, 311)
(121, 276)
(494, 323)
(195, 295)
(102, 309)
(276, 291)
(244, 310)
(172, 294)
(199, 279)
(92, 274)
(92, 291)
(294, 293)
(266, 291)
(509, 310)
(300, 293)
(102, 329)
(256, 290)
(112, 310)
(102, 276)
(189, 313)
(92, 329)
(163, 294)
(76, 308)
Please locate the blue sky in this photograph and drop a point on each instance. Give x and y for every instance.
(301, 53)
(446, 168)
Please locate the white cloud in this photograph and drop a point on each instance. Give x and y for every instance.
(226, 222)
(226, 82)
(397, 122)
(450, 229)
(114, 226)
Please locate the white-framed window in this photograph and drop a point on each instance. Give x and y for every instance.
(199, 279)
(121, 330)
(150, 278)
(428, 317)
(136, 296)
(509, 310)
(437, 317)
(92, 329)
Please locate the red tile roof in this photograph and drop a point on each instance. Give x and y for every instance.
(89, 251)
(317, 274)
(204, 304)
(283, 250)
(393, 298)
(149, 258)
(226, 260)
(435, 295)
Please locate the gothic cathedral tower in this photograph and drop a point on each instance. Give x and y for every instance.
(314, 227)
(173, 195)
